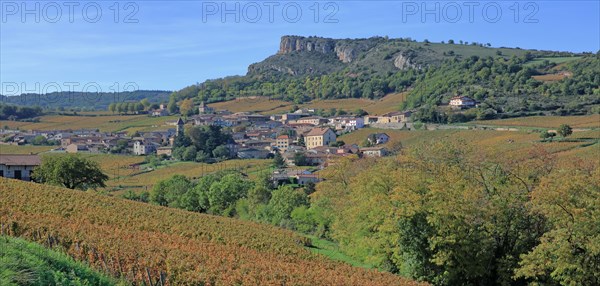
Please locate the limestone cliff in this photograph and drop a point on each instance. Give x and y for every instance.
(290, 44)
(299, 55)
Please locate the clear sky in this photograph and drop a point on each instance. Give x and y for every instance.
(171, 44)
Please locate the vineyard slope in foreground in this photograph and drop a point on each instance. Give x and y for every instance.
(27, 263)
(141, 242)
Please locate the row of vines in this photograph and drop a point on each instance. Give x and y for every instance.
(150, 245)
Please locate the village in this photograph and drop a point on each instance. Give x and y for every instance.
(301, 138)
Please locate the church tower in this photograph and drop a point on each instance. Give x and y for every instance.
(180, 124)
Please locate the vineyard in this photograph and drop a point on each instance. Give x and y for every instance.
(502, 144)
(151, 245)
(266, 105)
(584, 121)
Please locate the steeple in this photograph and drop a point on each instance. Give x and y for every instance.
(180, 124)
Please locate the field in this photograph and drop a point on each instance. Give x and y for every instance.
(550, 77)
(146, 243)
(26, 263)
(125, 175)
(265, 105)
(389, 103)
(585, 121)
(502, 144)
(123, 178)
(257, 104)
(112, 123)
(24, 149)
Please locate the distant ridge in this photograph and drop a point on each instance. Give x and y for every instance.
(84, 100)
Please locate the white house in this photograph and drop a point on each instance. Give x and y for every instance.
(141, 148)
(462, 102)
(378, 138)
(347, 122)
(374, 152)
(18, 167)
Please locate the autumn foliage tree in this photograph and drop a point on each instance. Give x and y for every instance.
(569, 252)
(186, 107)
(446, 214)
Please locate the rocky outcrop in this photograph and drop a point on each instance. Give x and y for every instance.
(299, 55)
(402, 62)
(291, 44)
(345, 54)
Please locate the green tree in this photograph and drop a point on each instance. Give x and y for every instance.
(283, 201)
(565, 130)
(172, 105)
(221, 152)
(121, 146)
(146, 103)
(278, 161)
(547, 135)
(141, 197)
(112, 107)
(131, 107)
(70, 171)
(189, 154)
(224, 193)
(300, 159)
(171, 192)
(202, 156)
(39, 140)
(152, 160)
(261, 192)
(139, 107)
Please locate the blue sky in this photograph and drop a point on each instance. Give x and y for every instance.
(172, 44)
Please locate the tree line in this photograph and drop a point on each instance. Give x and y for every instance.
(14, 112)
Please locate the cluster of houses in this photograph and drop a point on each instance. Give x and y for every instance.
(260, 136)
(94, 141)
(255, 136)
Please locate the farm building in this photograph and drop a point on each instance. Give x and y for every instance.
(462, 102)
(374, 152)
(18, 167)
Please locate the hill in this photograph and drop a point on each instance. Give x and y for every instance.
(26, 263)
(318, 56)
(141, 242)
(507, 82)
(84, 100)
